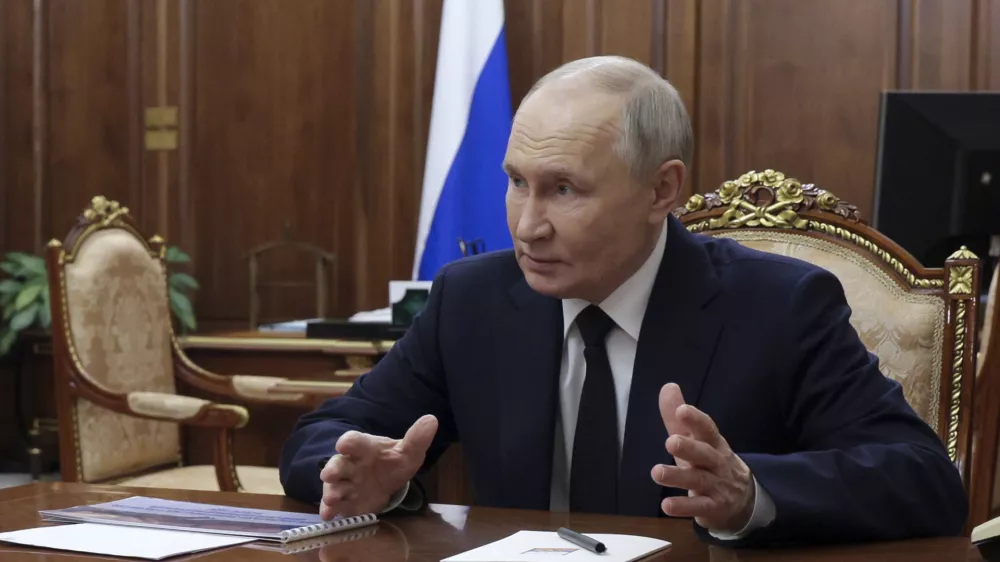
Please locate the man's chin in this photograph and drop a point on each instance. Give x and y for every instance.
(545, 285)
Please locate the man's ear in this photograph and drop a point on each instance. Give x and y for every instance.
(667, 183)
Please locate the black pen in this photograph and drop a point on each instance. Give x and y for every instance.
(582, 541)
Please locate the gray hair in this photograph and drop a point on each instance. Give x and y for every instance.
(655, 124)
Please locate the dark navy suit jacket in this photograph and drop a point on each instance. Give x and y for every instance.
(759, 342)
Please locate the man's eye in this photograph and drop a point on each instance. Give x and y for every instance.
(564, 189)
(517, 182)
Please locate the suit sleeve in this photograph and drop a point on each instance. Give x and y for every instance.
(405, 385)
(866, 467)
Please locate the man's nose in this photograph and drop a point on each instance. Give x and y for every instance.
(533, 223)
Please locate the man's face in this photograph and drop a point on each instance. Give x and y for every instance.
(577, 217)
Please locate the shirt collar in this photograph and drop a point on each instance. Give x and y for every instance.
(627, 304)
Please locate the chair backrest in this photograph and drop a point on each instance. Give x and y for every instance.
(111, 335)
(987, 403)
(920, 322)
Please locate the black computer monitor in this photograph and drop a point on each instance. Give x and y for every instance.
(937, 184)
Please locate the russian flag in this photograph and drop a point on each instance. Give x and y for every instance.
(464, 184)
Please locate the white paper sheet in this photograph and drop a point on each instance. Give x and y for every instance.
(115, 540)
(534, 546)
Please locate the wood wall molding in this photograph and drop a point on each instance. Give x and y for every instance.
(316, 113)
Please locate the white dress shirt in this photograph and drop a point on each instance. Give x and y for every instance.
(627, 307)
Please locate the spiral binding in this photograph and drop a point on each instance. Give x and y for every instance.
(328, 527)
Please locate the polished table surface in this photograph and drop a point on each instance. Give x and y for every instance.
(443, 531)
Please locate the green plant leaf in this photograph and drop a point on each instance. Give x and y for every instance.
(29, 264)
(176, 255)
(9, 286)
(188, 321)
(7, 339)
(179, 302)
(180, 305)
(8, 311)
(24, 318)
(18, 256)
(7, 300)
(27, 296)
(45, 312)
(12, 267)
(27, 260)
(182, 281)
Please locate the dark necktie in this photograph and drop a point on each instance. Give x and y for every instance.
(594, 471)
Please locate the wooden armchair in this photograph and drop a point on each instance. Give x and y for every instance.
(920, 322)
(116, 359)
(987, 402)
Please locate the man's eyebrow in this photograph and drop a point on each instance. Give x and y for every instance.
(509, 168)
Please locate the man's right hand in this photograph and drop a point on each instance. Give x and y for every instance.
(367, 469)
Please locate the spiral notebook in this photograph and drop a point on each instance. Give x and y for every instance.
(154, 513)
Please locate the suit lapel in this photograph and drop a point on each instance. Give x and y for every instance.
(530, 373)
(676, 344)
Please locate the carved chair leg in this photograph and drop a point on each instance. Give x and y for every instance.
(225, 465)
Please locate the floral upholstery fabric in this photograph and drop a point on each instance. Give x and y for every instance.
(905, 330)
(254, 479)
(118, 323)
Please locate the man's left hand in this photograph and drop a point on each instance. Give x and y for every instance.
(719, 484)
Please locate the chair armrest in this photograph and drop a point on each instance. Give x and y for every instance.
(278, 388)
(253, 388)
(185, 410)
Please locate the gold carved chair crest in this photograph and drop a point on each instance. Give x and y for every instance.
(919, 321)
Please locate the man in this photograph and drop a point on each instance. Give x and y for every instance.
(614, 362)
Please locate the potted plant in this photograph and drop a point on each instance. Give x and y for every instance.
(24, 295)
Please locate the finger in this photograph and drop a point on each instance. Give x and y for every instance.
(340, 467)
(359, 445)
(339, 492)
(693, 479)
(700, 424)
(671, 399)
(418, 438)
(688, 506)
(344, 509)
(698, 453)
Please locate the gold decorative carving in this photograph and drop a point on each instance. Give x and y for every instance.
(955, 402)
(960, 280)
(766, 199)
(963, 253)
(770, 199)
(870, 246)
(103, 210)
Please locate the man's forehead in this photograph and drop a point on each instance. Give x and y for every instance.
(563, 108)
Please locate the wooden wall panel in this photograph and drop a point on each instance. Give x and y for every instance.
(986, 45)
(271, 144)
(940, 51)
(17, 181)
(793, 85)
(315, 113)
(396, 58)
(87, 148)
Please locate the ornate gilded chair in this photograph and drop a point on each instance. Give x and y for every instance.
(116, 359)
(920, 322)
(987, 401)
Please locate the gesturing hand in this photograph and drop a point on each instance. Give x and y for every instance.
(719, 484)
(367, 469)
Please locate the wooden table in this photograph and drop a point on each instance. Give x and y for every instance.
(441, 532)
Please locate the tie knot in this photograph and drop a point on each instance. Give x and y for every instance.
(594, 325)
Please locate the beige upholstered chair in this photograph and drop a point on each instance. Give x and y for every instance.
(987, 399)
(920, 322)
(116, 360)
